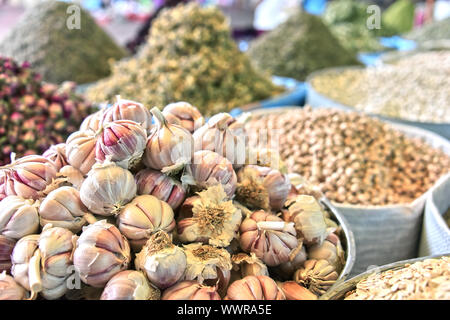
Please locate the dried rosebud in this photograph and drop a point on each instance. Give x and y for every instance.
(101, 252)
(317, 275)
(128, 110)
(72, 176)
(142, 217)
(18, 217)
(184, 114)
(57, 155)
(129, 285)
(20, 258)
(214, 219)
(163, 262)
(10, 289)
(6, 249)
(92, 122)
(190, 290)
(330, 250)
(294, 291)
(80, 150)
(248, 265)
(270, 238)
(254, 288)
(296, 260)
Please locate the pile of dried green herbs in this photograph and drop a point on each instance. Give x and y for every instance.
(437, 30)
(299, 46)
(189, 56)
(42, 38)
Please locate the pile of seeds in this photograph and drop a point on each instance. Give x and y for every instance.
(189, 56)
(354, 159)
(423, 280)
(414, 89)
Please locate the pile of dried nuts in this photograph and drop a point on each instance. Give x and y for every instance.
(423, 280)
(353, 158)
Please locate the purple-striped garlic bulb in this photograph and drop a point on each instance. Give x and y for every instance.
(18, 217)
(93, 121)
(142, 217)
(130, 285)
(184, 114)
(190, 290)
(57, 155)
(101, 252)
(10, 289)
(80, 150)
(72, 176)
(270, 238)
(6, 249)
(163, 187)
(254, 288)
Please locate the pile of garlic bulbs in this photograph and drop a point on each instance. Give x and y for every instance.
(143, 205)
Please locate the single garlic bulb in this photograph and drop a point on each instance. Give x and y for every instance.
(254, 288)
(6, 249)
(317, 275)
(163, 187)
(122, 142)
(142, 217)
(27, 177)
(10, 289)
(270, 238)
(93, 121)
(72, 176)
(330, 250)
(101, 252)
(214, 219)
(190, 290)
(18, 217)
(183, 114)
(63, 208)
(297, 258)
(80, 150)
(57, 155)
(208, 169)
(208, 265)
(163, 262)
(169, 146)
(129, 285)
(23, 252)
(294, 291)
(262, 187)
(248, 265)
(107, 189)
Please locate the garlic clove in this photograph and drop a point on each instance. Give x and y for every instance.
(190, 290)
(184, 114)
(6, 249)
(18, 217)
(129, 285)
(80, 150)
(317, 275)
(57, 155)
(330, 250)
(72, 175)
(294, 291)
(254, 288)
(10, 289)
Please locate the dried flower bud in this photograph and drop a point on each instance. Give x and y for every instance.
(6, 249)
(122, 142)
(184, 114)
(80, 150)
(142, 217)
(10, 289)
(254, 288)
(248, 265)
(128, 110)
(190, 290)
(23, 252)
(294, 291)
(317, 275)
(161, 186)
(129, 285)
(18, 217)
(296, 260)
(107, 189)
(163, 263)
(214, 219)
(101, 252)
(92, 122)
(72, 176)
(57, 155)
(331, 250)
(270, 238)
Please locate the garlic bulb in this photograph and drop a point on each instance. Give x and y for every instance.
(107, 189)
(80, 150)
(309, 219)
(330, 250)
(122, 142)
(317, 275)
(262, 187)
(214, 219)
(63, 208)
(72, 176)
(208, 265)
(23, 252)
(57, 155)
(6, 249)
(10, 289)
(190, 290)
(101, 252)
(169, 146)
(296, 260)
(294, 291)
(128, 110)
(18, 217)
(183, 114)
(163, 263)
(93, 121)
(270, 238)
(27, 177)
(129, 285)
(208, 169)
(254, 288)
(249, 265)
(265, 157)
(142, 217)
(163, 187)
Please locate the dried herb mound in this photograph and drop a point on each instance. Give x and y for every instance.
(437, 30)
(35, 115)
(57, 52)
(189, 56)
(299, 46)
(399, 16)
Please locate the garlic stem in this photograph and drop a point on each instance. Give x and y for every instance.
(90, 218)
(159, 116)
(34, 273)
(271, 225)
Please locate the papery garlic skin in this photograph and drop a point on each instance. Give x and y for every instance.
(6, 249)
(270, 238)
(254, 288)
(330, 250)
(296, 260)
(57, 155)
(163, 187)
(72, 176)
(317, 275)
(144, 216)
(190, 290)
(129, 285)
(101, 252)
(20, 258)
(80, 150)
(184, 114)
(294, 291)
(10, 289)
(92, 122)
(107, 189)
(18, 217)
(249, 265)
(128, 110)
